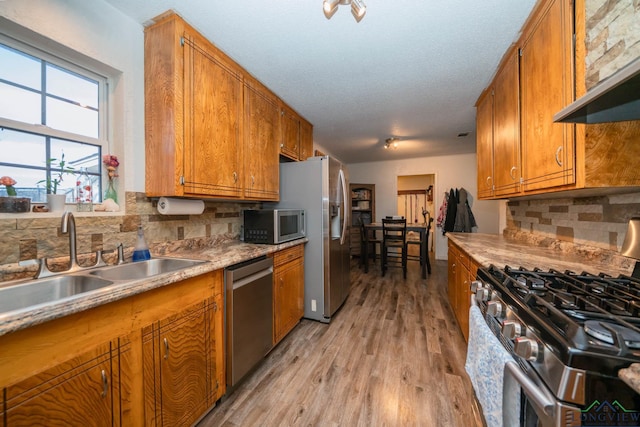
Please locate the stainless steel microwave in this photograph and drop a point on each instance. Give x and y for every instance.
(273, 226)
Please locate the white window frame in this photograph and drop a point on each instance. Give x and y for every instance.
(40, 47)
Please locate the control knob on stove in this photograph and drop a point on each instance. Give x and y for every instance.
(511, 329)
(475, 285)
(494, 308)
(527, 348)
(482, 294)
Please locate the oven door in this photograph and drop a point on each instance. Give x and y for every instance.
(538, 406)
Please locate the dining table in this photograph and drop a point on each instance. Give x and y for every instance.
(423, 231)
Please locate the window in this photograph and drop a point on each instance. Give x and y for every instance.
(50, 110)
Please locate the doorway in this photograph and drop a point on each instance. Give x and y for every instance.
(415, 200)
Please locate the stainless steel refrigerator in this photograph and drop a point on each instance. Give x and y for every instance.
(320, 186)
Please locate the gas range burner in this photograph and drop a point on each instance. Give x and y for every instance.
(530, 283)
(604, 331)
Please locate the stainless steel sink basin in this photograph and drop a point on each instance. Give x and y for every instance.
(40, 291)
(142, 269)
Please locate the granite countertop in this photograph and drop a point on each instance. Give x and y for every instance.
(218, 256)
(487, 249)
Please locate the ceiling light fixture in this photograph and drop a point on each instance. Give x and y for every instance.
(391, 143)
(358, 8)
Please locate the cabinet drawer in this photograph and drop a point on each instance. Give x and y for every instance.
(464, 258)
(289, 254)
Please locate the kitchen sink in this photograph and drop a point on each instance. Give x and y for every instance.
(40, 291)
(142, 269)
(22, 294)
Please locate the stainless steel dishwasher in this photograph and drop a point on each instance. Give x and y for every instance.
(249, 308)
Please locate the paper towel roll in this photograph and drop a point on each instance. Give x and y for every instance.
(167, 206)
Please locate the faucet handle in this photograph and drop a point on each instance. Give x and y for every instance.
(99, 261)
(43, 269)
(120, 249)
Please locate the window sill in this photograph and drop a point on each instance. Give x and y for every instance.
(70, 207)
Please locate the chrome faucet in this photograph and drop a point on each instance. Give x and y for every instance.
(68, 226)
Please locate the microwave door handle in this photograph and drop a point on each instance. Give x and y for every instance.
(343, 181)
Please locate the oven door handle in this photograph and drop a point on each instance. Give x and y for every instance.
(537, 397)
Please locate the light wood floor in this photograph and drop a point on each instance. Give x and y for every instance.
(392, 356)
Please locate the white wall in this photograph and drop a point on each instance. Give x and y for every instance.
(450, 172)
(97, 30)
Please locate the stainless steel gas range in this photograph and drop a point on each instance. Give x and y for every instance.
(570, 334)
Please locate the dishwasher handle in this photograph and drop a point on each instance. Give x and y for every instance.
(249, 279)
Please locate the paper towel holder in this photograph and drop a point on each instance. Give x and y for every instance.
(179, 206)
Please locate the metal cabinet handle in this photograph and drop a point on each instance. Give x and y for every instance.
(488, 182)
(511, 173)
(558, 161)
(235, 177)
(105, 384)
(253, 180)
(166, 348)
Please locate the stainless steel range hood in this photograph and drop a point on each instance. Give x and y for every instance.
(615, 99)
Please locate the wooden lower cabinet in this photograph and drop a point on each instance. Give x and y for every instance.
(462, 271)
(82, 391)
(154, 358)
(179, 366)
(288, 290)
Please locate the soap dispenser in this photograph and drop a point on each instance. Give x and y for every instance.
(141, 250)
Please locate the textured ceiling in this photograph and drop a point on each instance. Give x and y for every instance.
(409, 69)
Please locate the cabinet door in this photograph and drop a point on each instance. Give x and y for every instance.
(218, 356)
(452, 278)
(463, 300)
(484, 145)
(79, 391)
(177, 368)
(290, 144)
(546, 84)
(288, 298)
(213, 122)
(306, 140)
(261, 162)
(506, 128)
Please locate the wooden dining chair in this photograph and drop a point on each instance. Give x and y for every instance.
(369, 245)
(423, 245)
(394, 247)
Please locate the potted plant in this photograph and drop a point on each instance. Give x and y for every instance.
(11, 202)
(56, 201)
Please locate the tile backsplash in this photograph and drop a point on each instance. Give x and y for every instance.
(594, 221)
(613, 37)
(31, 238)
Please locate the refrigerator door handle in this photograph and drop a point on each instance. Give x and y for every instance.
(343, 181)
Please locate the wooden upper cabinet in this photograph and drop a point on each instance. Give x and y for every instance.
(193, 114)
(548, 148)
(484, 144)
(506, 128)
(290, 143)
(262, 135)
(498, 130)
(213, 122)
(297, 135)
(306, 140)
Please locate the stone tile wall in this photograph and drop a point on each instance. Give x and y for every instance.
(613, 37)
(30, 238)
(594, 221)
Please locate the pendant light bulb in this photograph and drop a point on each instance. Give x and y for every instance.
(358, 9)
(329, 7)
